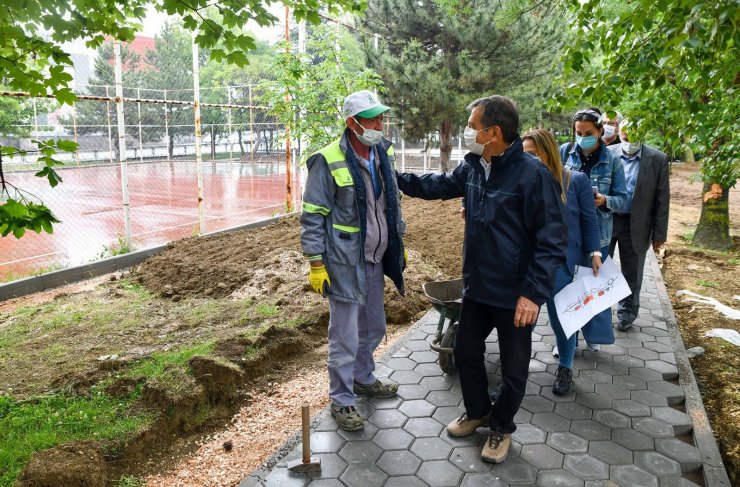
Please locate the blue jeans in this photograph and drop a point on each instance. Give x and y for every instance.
(566, 346)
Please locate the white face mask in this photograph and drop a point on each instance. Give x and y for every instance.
(609, 131)
(630, 148)
(470, 134)
(369, 137)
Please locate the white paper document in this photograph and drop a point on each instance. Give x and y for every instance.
(588, 295)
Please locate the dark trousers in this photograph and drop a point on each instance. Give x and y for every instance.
(515, 344)
(632, 265)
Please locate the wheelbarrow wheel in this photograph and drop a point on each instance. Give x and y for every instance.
(446, 362)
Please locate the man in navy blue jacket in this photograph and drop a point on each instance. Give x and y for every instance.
(515, 238)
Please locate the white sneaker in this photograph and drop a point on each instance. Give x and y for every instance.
(555, 352)
(594, 347)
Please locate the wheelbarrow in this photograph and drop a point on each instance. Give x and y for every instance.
(446, 297)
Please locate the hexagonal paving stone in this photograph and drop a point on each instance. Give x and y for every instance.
(673, 393)
(470, 440)
(586, 467)
(594, 401)
(542, 457)
(632, 439)
(612, 419)
(438, 383)
(393, 439)
(643, 353)
(405, 377)
(326, 442)
(445, 415)
(681, 422)
(402, 352)
(443, 398)
(631, 408)
(412, 391)
(667, 371)
(528, 434)
(595, 376)
(558, 478)
(418, 408)
(422, 427)
(467, 459)
(630, 382)
(405, 481)
(537, 404)
(613, 369)
(396, 463)
(481, 480)
(326, 483)
(417, 345)
(431, 448)
(424, 356)
(428, 370)
(401, 364)
(653, 427)
(659, 347)
(542, 378)
(365, 433)
(439, 474)
(332, 466)
(537, 366)
(676, 482)
(689, 457)
(515, 470)
(282, 477)
(360, 452)
(628, 361)
(551, 422)
(590, 430)
(632, 475)
(657, 464)
(567, 443)
(649, 398)
(573, 410)
(387, 418)
(382, 402)
(522, 416)
(610, 452)
(646, 374)
(363, 474)
(613, 391)
(532, 389)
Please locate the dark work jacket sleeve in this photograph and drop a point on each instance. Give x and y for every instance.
(587, 211)
(435, 186)
(545, 222)
(662, 203)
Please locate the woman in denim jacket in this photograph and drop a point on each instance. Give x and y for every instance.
(588, 154)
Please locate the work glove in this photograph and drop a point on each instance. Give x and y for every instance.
(317, 277)
(405, 259)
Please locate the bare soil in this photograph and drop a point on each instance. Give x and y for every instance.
(715, 275)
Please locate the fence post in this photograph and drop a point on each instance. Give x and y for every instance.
(122, 146)
(74, 129)
(251, 127)
(166, 125)
(198, 148)
(231, 146)
(403, 153)
(141, 146)
(110, 134)
(288, 189)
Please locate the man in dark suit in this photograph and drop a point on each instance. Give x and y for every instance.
(644, 218)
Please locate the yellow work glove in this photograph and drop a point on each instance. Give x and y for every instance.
(317, 277)
(405, 258)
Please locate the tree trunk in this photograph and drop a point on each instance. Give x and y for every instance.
(241, 145)
(713, 231)
(213, 142)
(171, 145)
(445, 144)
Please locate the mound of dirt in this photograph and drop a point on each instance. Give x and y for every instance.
(70, 465)
(267, 263)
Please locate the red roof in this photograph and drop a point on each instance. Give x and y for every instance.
(140, 45)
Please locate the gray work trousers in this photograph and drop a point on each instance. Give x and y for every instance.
(355, 331)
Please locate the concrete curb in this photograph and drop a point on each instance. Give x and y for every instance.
(714, 472)
(44, 282)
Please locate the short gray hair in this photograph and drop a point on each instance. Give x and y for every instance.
(500, 111)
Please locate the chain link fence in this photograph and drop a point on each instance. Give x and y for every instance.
(151, 185)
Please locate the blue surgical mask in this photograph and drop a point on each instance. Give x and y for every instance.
(587, 143)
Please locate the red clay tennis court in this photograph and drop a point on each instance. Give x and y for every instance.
(164, 206)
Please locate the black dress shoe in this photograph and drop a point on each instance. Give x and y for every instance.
(624, 325)
(563, 380)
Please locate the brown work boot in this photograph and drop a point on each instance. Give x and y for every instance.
(463, 426)
(496, 448)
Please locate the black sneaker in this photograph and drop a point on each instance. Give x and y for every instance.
(563, 380)
(624, 325)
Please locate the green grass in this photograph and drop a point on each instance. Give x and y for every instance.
(159, 364)
(689, 235)
(267, 310)
(734, 261)
(44, 422)
(705, 283)
(129, 481)
(11, 276)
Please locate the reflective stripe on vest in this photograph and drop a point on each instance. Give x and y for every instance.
(337, 164)
(346, 228)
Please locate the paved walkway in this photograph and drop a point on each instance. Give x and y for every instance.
(625, 422)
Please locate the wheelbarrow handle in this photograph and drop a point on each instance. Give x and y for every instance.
(439, 349)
